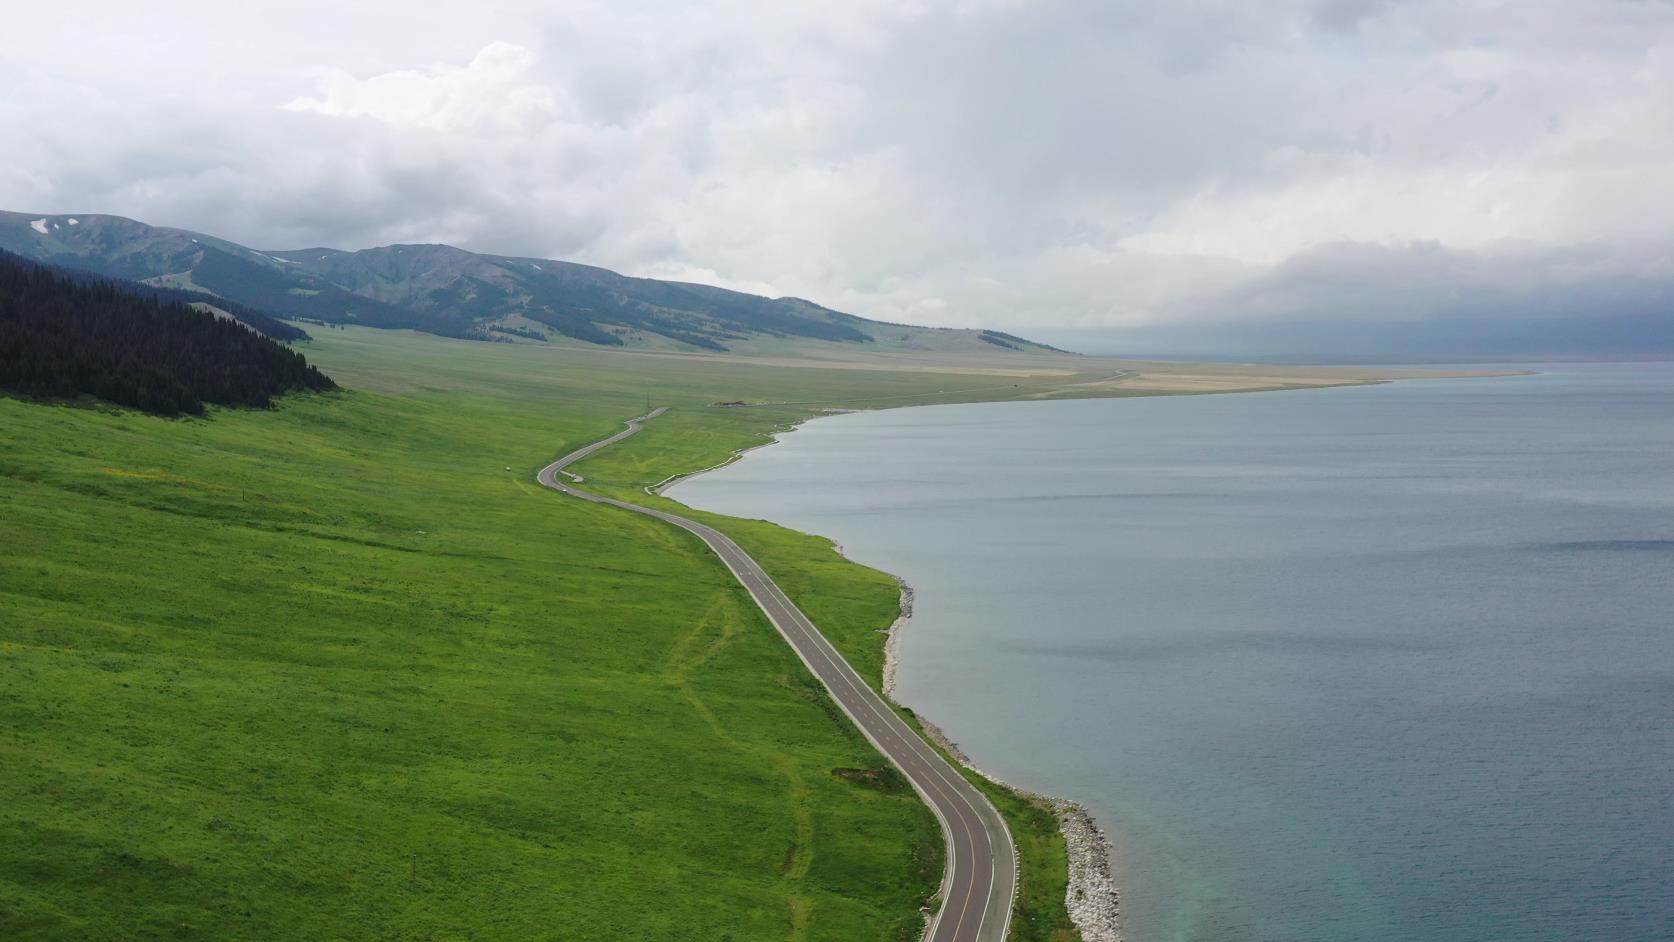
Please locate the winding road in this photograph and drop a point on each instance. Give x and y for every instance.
(981, 874)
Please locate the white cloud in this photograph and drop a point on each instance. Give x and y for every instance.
(494, 90)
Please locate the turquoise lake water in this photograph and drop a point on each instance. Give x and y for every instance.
(1378, 663)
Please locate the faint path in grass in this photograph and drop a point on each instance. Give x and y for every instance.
(708, 638)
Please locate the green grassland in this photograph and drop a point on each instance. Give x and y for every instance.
(331, 672)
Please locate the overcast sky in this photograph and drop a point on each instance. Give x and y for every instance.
(1083, 164)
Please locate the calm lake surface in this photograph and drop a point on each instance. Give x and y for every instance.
(1379, 663)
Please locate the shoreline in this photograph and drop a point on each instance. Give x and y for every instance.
(1091, 899)
(1091, 895)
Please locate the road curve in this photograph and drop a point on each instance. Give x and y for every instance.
(981, 874)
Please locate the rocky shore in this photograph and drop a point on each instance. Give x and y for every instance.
(1092, 899)
(893, 632)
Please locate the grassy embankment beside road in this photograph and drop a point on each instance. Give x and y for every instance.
(330, 671)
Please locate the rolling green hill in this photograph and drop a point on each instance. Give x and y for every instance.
(445, 290)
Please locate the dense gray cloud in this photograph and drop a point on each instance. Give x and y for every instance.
(1424, 302)
(1070, 164)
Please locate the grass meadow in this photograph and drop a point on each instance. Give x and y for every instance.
(330, 671)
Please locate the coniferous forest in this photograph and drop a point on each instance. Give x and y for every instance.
(63, 337)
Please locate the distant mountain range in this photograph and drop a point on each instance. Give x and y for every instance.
(444, 290)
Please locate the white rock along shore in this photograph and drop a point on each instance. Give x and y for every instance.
(1092, 899)
(892, 660)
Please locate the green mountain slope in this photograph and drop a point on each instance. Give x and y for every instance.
(445, 290)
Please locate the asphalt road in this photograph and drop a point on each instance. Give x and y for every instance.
(981, 875)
